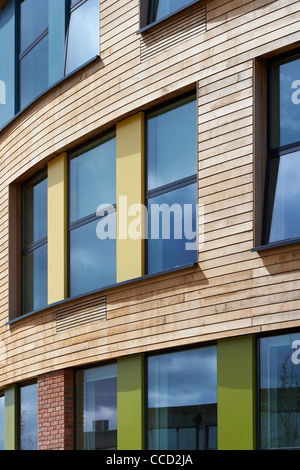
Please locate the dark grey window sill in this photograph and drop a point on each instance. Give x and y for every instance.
(19, 113)
(98, 291)
(161, 20)
(269, 246)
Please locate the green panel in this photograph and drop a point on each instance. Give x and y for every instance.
(57, 37)
(11, 418)
(131, 403)
(236, 393)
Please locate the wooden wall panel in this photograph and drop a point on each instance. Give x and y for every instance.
(232, 291)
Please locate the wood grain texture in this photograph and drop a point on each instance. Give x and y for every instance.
(232, 291)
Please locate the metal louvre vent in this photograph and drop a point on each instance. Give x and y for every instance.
(179, 28)
(81, 313)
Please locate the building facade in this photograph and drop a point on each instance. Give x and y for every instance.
(149, 224)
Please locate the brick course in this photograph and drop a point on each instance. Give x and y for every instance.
(56, 410)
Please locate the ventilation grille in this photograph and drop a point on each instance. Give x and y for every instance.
(81, 313)
(178, 29)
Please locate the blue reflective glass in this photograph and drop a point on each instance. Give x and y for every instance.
(7, 62)
(172, 229)
(34, 274)
(172, 143)
(182, 399)
(280, 392)
(92, 179)
(2, 422)
(285, 214)
(34, 20)
(161, 8)
(92, 259)
(285, 114)
(97, 430)
(34, 73)
(35, 196)
(28, 417)
(83, 35)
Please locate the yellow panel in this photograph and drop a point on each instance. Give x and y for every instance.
(130, 198)
(57, 229)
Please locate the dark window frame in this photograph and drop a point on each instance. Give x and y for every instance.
(273, 153)
(167, 351)
(84, 221)
(19, 410)
(38, 178)
(176, 184)
(146, 7)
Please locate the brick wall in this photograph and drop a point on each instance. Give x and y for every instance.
(56, 410)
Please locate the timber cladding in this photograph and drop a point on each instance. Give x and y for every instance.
(231, 291)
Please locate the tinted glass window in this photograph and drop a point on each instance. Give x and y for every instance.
(35, 210)
(7, 62)
(83, 35)
(161, 8)
(92, 260)
(97, 408)
(280, 392)
(285, 116)
(34, 20)
(172, 143)
(92, 179)
(34, 73)
(28, 417)
(285, 177)
(182, 400)
(172, 229)
(2, 422)
(171, 185)
(34, 274)
(34, 244)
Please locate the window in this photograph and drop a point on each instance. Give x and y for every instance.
(34, 244)
(7, 62)
(54, 39)
(182, 400)
(172, 185)
(280, 391)
(28, 417)
(160, 8)
(2, 421)
(97, 408)
(84, 23)
(283, 191)
(92, 258)
(33, 57)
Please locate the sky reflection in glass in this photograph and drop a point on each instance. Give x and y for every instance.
(285, 220)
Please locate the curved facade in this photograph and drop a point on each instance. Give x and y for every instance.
(149, 224)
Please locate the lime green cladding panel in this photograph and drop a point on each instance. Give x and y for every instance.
(131, 403)
(236, 393)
